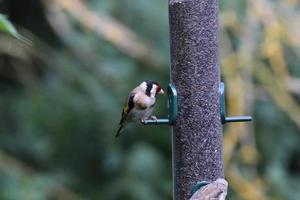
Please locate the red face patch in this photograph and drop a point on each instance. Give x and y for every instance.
(158, 88)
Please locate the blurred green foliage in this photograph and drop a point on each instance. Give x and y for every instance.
(61, 99)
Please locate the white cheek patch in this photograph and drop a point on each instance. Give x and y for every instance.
(154, 89)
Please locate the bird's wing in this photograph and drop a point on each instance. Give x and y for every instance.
(129, 105)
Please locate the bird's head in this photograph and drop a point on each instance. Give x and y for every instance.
(151, 88)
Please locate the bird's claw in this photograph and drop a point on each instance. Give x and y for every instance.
(143, 121)
(153, 117)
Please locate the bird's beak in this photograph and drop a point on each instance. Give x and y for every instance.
(161, 91)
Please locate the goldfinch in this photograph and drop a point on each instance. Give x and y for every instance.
(139, 104)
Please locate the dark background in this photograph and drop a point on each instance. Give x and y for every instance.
(61, 99)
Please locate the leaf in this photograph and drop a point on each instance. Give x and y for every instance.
(7, 27)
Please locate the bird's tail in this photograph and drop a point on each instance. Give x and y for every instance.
(121, 129)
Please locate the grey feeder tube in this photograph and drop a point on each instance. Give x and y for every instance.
(197, 137)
